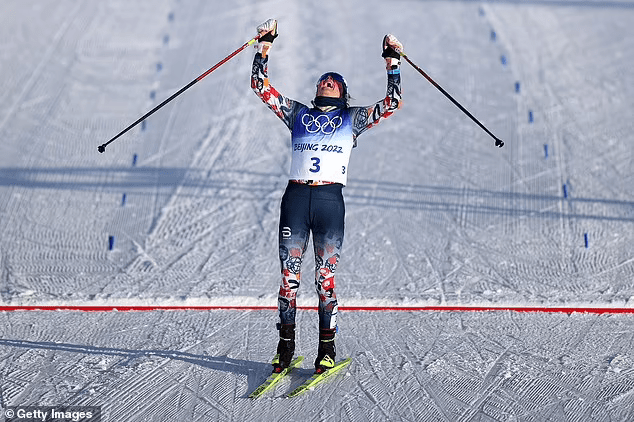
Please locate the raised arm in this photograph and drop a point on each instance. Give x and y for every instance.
(283, 107)
(366, 117)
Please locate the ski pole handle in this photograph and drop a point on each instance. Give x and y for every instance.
(498, 142)
(102, 148)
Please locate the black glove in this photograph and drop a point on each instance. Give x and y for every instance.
(389, 42)
(270, 29)
(268, 37)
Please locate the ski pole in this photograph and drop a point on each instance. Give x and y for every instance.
(498, 142)
(102, 148)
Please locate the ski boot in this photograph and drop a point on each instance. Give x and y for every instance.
(285, 347)
(326, 351)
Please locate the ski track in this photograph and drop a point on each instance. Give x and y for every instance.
(142, 368)
(435, 213)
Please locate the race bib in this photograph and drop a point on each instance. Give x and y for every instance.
(321, 145)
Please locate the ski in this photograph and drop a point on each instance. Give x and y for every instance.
(310, 383)
(275, 378)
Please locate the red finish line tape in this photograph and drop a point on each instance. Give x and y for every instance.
(566, 310)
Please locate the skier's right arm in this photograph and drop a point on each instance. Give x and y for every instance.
(282, 107)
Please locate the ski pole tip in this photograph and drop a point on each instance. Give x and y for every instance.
(102, 148)
(499, 143)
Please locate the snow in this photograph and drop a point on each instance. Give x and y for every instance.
(436, 215)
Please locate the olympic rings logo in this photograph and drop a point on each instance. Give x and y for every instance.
(321, 123)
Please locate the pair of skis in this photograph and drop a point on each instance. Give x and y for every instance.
(309, 384)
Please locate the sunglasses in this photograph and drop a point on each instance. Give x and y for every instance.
(337, 78)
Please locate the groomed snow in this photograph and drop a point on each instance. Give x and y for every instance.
(436, 215)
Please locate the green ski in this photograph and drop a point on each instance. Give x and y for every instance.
(275, 378)
(318, 378)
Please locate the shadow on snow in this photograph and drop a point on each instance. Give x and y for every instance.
(244, 185)
(255, 371)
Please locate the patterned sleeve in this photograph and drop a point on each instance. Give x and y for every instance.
(366, 117)
(283, 107)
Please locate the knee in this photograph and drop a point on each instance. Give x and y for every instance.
(328, 285)
(291, 259)
(325, 285)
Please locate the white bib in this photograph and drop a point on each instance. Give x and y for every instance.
(321, 145)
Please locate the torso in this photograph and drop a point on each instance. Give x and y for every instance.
(322, 142)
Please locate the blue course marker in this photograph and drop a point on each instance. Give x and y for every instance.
(110, 242)
(123, 199)
(530, 116)
(585, 239)
(493, 35)
(565, 189)
(517, 87)
(503, 59)
(143, 125)
(545, 150)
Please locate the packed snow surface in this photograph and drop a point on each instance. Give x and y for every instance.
(183, 209)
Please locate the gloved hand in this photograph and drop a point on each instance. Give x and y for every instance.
(392, 48)
(269, 29)
(268, 32)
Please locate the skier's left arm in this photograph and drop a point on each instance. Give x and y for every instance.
(366, 117)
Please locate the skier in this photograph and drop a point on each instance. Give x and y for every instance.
(322, 138)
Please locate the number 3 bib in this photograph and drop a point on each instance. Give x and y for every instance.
(321, 145)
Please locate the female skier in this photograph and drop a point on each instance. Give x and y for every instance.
(322, 138)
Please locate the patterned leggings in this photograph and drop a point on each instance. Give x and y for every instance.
(320, 210)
